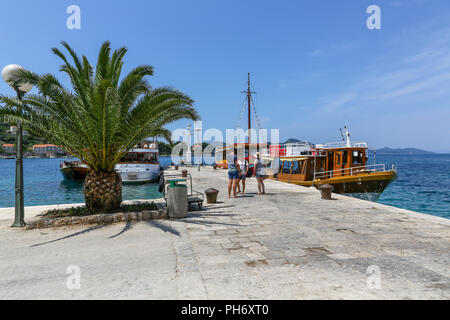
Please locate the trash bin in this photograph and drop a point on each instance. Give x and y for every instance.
(326, 190)
(211, 195)
(177, 203)
(184, 173)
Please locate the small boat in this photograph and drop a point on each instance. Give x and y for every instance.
(74, 170)
(140, 165)
(340, 164)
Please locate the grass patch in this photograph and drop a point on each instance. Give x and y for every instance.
(83, 211)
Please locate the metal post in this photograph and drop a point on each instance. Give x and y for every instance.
(20, 211)
(249, 113)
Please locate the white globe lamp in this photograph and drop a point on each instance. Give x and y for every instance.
(8, 74)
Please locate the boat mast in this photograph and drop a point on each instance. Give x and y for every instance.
(249, 101)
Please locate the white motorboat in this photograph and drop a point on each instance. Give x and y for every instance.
(141, 164)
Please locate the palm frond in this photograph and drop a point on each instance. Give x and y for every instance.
(102, 116)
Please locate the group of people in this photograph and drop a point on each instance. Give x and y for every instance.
(239, 170)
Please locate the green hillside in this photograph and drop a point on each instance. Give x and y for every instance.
(28, 141)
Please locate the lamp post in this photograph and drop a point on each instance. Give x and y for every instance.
(8, 74)
(189, 152)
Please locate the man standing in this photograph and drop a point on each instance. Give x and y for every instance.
(233, 173)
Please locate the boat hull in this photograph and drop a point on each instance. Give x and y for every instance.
(75, 173)
(362, 183)
(130, 173)
(135, 173)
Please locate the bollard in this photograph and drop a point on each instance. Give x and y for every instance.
(211, 195)
(326, 190)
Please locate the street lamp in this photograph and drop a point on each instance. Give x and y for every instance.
(8, 74)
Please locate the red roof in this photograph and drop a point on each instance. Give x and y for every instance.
(8, 145)
(43, 145)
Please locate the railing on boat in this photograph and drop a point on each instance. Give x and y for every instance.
(352, 171)
(342, 144)
(289, 149)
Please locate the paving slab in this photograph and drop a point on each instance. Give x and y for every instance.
(288, 244)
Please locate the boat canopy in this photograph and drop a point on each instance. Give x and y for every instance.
(144, 150)
(286, 158)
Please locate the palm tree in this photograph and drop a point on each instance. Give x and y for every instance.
(100, 118)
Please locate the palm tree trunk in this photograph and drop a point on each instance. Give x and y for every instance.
(102, 191)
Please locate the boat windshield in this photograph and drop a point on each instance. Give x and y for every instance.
(149, 157)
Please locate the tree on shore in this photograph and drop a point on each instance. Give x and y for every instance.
(100, 118)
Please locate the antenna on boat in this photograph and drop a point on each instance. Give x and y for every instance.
(342, 135)
(347, 135)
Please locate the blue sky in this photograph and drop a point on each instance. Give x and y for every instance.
(314, 64)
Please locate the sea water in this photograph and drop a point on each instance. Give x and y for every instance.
(423, 183)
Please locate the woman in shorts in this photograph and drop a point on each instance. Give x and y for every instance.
(259, 173)
(233, 173)
(243, 166)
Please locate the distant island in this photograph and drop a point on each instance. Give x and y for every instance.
(292, 140)
(387, 150)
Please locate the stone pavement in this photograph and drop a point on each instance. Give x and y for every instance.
(288, 244)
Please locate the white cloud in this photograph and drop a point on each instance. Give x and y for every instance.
(399, 78)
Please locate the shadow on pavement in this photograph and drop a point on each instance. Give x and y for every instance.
(128, 226)
(162, 226)
(70, 235)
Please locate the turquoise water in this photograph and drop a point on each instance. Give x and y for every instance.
(423, 184)
(44, 184)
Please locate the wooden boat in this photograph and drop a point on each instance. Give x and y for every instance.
(342, 165)
(74, 170)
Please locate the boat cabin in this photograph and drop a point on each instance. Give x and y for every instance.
(238, 148)
(145, 152)
(324, 163)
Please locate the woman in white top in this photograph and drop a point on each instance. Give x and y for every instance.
(243, 165)
(259, 173)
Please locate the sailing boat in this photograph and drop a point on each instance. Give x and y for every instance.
(246, 148)
(340, 164)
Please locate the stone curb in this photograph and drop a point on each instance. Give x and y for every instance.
(97, 219)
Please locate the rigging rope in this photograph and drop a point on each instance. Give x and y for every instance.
(258, 122)
(238, 125)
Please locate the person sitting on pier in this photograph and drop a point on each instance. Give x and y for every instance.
(243, 166)
(233, 173)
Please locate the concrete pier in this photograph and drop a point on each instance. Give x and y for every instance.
(287, 244)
